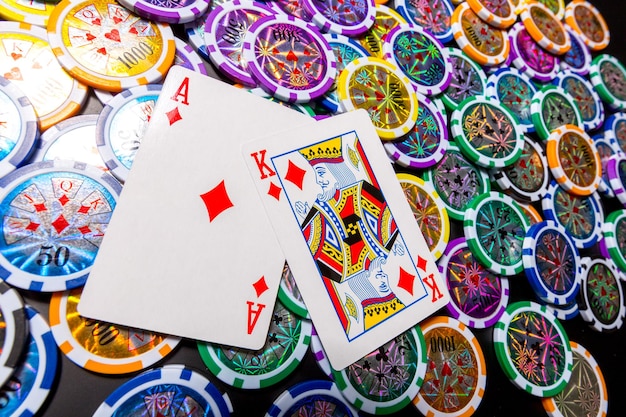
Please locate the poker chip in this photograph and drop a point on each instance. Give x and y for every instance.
(53, 94)
(487, 132)
(574, 160)
(391, 101)
(515, 91)
(498, 13)
(531, 212)
(14, 331)
(545, 28)
(170, 389)
(33, 13)
(608, 77)
(614, 234)
(368, 385)
(385, 20)
(467, 80)
(566, 312)
(485, 44)
(456, 377)
(420, 56)
(121, 125)
(585, 393)
(578, 58)
(615, 130)
(553, 107)
(581, 216)
(601, 302)
(345, 18)
(195, 34)
(28, 388)
(555, 6)
(426, 143)
(530, 58)
(606, 149)
(58, 213)
(528, 177)
(345, 50)
(429, 211)
(18, 127)
(289, 294)
(551, 263)
(103, 347)
(320, 354)
(72, 139)
(187, 57)
(540, 369)
(102, 44)
(457, 181)
(495, 226)
(587, 21)
(287, 342)
(293, 8)
(585, 97)
(306, 61)
(432, 15)
(477, 296)
(224, 32)
(168, 12)
(616, 173)
(307, 398)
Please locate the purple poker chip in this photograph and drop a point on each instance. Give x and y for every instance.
(529, 57)
(224, 32)
(289, 58)
(187, 57)
(426, 143)
(293, 8)
(616, 173)
(578, 58)
(478, 297)
(168, 11)
(350, 18)
(420, 56)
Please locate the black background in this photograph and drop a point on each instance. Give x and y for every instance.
(78, 392)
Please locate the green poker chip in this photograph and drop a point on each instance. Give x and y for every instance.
(287, 342)
(289, 295)
(614, 233)
(386, 380)
(553, 107)
(539, 368)
(487, 133)
(495, 227)
(608, 76)
(602, 298)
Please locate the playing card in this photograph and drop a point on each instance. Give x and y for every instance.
(189, 250)
(356, 252)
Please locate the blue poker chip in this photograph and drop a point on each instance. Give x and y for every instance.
(585, 97)
(427, 142)
(578, 58)
(307, 398)
(18, 127)
(27, 389)
(581, 216)
(55, 216)
(174, 389)
(552, 263)
(515, 91)
(566, 312)
(432, 15)
(121, 125)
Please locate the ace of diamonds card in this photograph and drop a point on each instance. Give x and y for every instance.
(189, 250)
(356, 252)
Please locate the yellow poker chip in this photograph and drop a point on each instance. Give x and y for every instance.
(386, 19)
(383, 91)
(589, 23)
(31, 12)
(574, 160)
(106, 46)
(485, 44)
(545, 28)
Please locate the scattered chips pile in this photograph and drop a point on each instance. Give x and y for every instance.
(505, 122)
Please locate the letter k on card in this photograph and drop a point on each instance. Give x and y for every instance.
(190, 250)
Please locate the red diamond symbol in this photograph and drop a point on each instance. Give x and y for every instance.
(84, 209)
(216, 201)
(32, 226)
(40, 207)
(64, 200)
(274, 191)
(406, 281)
(173, 116)
(421, 263)
(60, 224)
(295, 174)
(260, 287)
(84, 230)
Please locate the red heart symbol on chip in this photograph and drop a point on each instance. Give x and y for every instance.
(15, 74)
(379, 96)
(133, 30)
(113, 35)
(90, 37)
(15, 56)
(446, 370)
(96, 21)
(102, 51)
(117, 20)
(292, 57)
